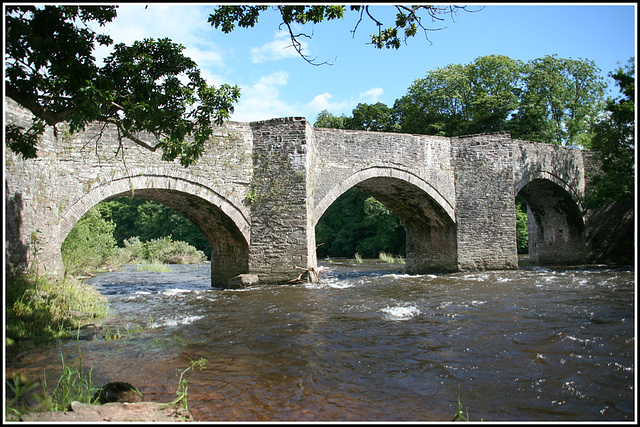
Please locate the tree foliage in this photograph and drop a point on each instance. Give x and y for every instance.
(89, 243)
(549, 99)
(357, 223)
(149, 220)
(409, 19)
(614, 140)
(560, 101)
(50, 70)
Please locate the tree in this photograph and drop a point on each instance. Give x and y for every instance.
(560, 101)
(327, 120)
(89, 243)
(495, 85)
(438, 104)
(372, 117)
(149, 87)
(549, 99)
(614, 140)
(50, 71)
(409, 19)
(149, 220)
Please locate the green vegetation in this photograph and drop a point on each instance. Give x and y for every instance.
(390, 259)
(91, 245)
(183, 384)
(40, 309)
(75, 384)
(150, 220)
(522, 226)
(549, 99)
(357, 223)
(160, 251)
(614, 139)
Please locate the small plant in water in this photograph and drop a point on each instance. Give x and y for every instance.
(461, 416)
(155, 267)
(358, 258)
(112, 334)
(388, 258)
(75, 384)
(183, 383)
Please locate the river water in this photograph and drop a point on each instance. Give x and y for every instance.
(371, 343)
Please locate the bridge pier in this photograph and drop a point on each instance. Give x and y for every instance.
(282, 235)
(485, 202)
(431, 249)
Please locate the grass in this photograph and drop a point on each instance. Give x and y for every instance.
(156, 267)
(75, 384)
(390, 259)
(40, 309)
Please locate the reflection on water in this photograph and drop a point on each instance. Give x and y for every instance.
(372, 343)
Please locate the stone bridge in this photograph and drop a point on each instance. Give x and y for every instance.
(260, 188)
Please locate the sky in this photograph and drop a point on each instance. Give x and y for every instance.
(276, 82)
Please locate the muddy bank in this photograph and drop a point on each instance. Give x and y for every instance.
(115, 411)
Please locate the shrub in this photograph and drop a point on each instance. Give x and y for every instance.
(163, 251)
(90, 244)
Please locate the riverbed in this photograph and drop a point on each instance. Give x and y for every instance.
(370, 343)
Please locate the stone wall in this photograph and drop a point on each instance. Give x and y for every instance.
(485, 203)
(278, 200)
(46, 196)
(260, 188)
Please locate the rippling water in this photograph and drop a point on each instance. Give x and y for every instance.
(370, 343)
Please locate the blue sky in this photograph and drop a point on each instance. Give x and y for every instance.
(275, 82)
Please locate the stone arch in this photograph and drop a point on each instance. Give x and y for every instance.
(428, 217)
(383, 172)
(556, 226)
(575, 194)
(221, 220)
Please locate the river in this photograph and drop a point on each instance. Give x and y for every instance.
(370, 343)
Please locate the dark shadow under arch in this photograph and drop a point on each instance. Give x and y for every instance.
(556, 226)
(431, 238)
(220, 221)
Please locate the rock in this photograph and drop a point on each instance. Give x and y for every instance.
(114, 411)
(118, 392)
(89, 332)
(242, 281)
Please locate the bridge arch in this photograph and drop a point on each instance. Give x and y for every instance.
(556, 226)
(221, 220)
(428, 217)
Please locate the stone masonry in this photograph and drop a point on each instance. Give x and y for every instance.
(260, 188)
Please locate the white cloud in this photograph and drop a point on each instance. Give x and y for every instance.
(372, 95)
(183, 24)
(279, 48)
(262, 101)
(324, 102)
